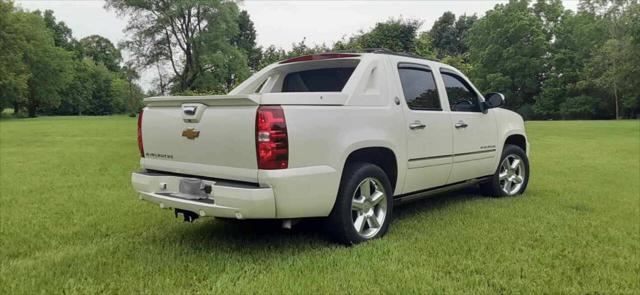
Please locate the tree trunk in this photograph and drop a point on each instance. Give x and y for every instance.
(32, 111)
(162, 86)
(130, 106)
(615, 96)
(16, 108)
(32, 105)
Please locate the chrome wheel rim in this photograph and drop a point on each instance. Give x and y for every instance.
(512, 174)
(368, 207)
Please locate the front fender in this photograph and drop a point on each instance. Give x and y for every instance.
(509, 123)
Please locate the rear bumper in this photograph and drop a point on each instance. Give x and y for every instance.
(230, 200)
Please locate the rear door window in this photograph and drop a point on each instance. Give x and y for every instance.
(419, 88)
(317, 80)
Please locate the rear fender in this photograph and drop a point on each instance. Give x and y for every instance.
(400, 159)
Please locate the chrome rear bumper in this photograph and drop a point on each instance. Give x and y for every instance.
(228, 200)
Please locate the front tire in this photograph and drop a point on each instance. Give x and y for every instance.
(364, 205)
(511, 176)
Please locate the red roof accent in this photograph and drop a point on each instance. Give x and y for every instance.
(320, 56)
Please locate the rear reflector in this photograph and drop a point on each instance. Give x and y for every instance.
(140, 145)
(318, 57)
(272, 144)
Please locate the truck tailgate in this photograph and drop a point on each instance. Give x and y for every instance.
(212, 136)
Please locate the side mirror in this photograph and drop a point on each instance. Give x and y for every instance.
(493, 100)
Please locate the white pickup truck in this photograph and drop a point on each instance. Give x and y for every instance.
(335, 135)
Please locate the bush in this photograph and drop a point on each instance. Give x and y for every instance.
(579, 107)
(527, 112)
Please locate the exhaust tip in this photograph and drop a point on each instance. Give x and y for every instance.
(188, 216)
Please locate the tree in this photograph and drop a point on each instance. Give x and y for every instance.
(507, 49)
(161, 83)
(273, 54)
(424, 46)
(593, 60)
(632, 102)
(103, 101)
(463, 25)
(78, 94)
(101, 50)
(61, 33)
(246, 40)
(301, 48)
(550, 12)
(193, 36)
(458, 62)
(133, 97)
(444, 34)
(15, 73)
(44, 71)
(618, 53)
(450, 36)
(270, 55)
(615, 67)
(128, 93)
(580, 107)
(574, 38)
(49, 66)
(396, 35)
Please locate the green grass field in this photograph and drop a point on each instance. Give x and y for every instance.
(70, 223)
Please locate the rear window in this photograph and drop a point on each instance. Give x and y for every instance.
(318, 80)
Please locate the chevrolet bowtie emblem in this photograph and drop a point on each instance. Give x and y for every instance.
(191, 133)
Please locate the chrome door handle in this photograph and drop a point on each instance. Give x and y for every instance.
(417, 125)
(461, 125)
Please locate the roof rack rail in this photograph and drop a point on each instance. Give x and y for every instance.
(347, 52)
(381, 51)
(378, 50)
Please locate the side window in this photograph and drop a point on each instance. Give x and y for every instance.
(462, 98)
(419, 89)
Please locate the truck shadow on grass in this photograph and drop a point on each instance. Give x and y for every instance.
(246, 234)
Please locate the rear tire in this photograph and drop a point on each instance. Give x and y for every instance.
(511, 176)
(364, 205)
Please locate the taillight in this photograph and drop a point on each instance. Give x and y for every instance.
(140, 146)
(272, 144)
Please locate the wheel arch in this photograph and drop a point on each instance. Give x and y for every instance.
(383, 157)
(516, 139)
(515, 136)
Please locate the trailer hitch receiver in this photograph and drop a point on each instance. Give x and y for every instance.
(187, 216)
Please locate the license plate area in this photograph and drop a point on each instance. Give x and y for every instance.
(194, 189)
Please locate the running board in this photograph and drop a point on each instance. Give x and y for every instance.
(437, 190)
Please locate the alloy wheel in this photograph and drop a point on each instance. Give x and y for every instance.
(512, 174)
(369, 207)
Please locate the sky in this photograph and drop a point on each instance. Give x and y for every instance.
(278, 23)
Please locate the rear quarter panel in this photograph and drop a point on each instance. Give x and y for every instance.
(320, 140)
